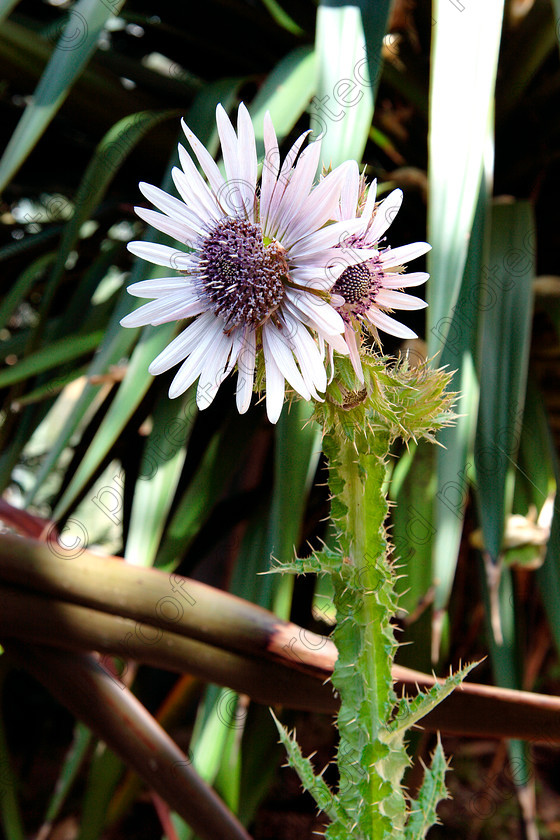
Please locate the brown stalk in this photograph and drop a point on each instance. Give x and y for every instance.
(220, 638)
(121, 721)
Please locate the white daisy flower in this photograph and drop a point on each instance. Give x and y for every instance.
(364, 293)
(256, 273)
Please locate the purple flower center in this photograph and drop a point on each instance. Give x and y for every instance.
(243, 279)
(359, 284)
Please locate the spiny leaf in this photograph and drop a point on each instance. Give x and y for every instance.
(410, 712)
(313, 784)
(423, 813)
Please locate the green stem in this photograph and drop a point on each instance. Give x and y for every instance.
(364, 635)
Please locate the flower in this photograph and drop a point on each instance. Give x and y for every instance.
(256, 271)
(366, 291)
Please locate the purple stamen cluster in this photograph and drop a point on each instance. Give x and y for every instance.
(242, 278)
(358, 285)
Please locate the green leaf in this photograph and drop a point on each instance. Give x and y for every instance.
(454, 461)
(410, 712)
(221, 459)
(73, 762)
(296, 454)
(6, 7)
(23, 285)
(109, 156)
(424, 809)
(64, 350)
(285, 93)
(160, 468)
(342, 109)
(78, 42)
(465, 47)
(282, 17)
(312, 783)
(504, 357)
(131, 391)
(10, 813)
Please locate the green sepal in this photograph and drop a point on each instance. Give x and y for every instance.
(405, 401)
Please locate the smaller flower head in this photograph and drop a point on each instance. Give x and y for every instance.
(365, 292)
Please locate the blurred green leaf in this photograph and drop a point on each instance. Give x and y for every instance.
(108, 158)
(23, 285)
(128, 397)
(73, 762)
(160, 468)
(6, 7)
(66, 349)
(10, 813)
(285, 93)
(342, 109)
(504, 357)
(464, 61)
(76, 45)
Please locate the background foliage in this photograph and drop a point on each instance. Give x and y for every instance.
(457, 104)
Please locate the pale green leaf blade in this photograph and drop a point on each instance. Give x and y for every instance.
(160, 468)
(133, 387)
(504, 358)
(465, 49)
(285, 93)
(342, 109)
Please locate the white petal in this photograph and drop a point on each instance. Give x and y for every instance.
(319, 207)
(185, 342)
(399, 256)
(308, 356)
(163, 310)
(159, 287)
(384, 215)
(246, 372)
(171, 206)
(275, 345)
(247, 160)
(335, 234)
(350, 191)
(393, 280)
(336, 342)
(178, 230)
(231, 195)
(389, 325)
(191, 369)
(351, 341)
(282, 182)
(214, 370)
(274, 388)
(398, 300)
(370, 201)
(270, 168)
(205, 159)
(161, 255)
(320, 313)
(194, 192)
(298, 189)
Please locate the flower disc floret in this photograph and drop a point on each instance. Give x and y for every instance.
(242, 278)
(358, 285)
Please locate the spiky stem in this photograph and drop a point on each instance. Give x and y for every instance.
(370, 803)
